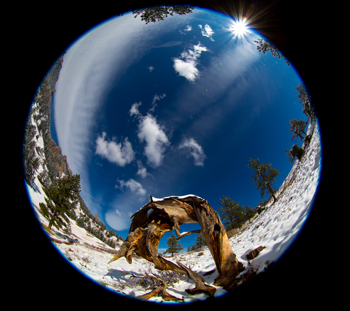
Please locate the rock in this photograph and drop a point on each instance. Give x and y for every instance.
(231, 233)
(59, 160)
(254, 253)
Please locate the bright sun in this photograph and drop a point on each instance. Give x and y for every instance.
(239, 28)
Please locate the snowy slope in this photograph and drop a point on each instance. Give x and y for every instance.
(275, 229)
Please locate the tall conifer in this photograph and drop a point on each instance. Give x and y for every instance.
(173, 246)
(264, 176)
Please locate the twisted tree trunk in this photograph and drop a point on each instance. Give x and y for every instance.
(168, 214)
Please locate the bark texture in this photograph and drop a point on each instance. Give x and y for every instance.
(159, 216)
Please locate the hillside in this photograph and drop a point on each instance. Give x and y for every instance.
(45, 164)
(273, 230)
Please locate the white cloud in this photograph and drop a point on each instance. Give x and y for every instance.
(188, 28)
(133, 185)
(207, 31)
(186, 64)
(195, 150)
(155, 99)
(155, 138)
(118, 213)
(150, 68)
(142, 171)
(118, 153)
(134, 110)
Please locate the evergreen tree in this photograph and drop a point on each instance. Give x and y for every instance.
(158, 13)
(30, 161)
(200, 242)
(60, 200)
(265, 46)
(264, 176)
(297, 128)
(173, 246)
(233, 213)
(248, 212)
(305, 100)
(295, 151)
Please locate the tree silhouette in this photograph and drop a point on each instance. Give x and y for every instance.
(305, 100)
(264, 176)
(297, 128)
(158, 13)
(265, 46)
(295, 151)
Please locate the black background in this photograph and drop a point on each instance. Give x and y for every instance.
(36, 34)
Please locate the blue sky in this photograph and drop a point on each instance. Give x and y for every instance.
(171, 108)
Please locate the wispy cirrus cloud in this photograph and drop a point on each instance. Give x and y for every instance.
(186, 65)
(155, 99)
(117, 153)
(207, 31)
(195, 150)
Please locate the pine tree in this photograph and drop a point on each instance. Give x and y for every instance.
(265, 46)
(227, 207)
(200, 242)
(173, 246)
(249, 212)
(60, 200)
(297, 128)
(233, 213)
(305, 100)
(295, 151)
(158, 13)
(264, 176)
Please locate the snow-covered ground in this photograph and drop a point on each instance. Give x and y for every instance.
(275, 229)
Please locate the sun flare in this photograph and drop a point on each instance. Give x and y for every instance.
(239, 28)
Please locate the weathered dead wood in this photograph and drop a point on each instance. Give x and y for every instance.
(160, 290)
(214, 234)
(151, 294)
(187, 233)
(157, 217)
(201, 287)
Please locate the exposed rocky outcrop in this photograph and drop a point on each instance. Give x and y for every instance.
(59, 160)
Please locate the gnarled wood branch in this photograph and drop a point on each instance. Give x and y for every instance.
(170, 213)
